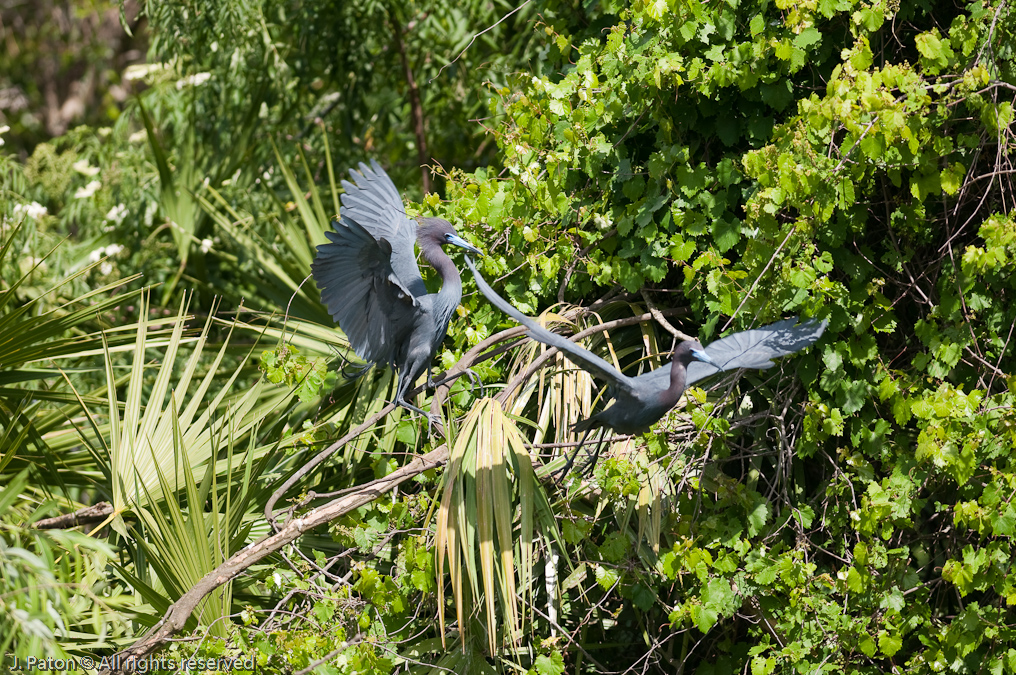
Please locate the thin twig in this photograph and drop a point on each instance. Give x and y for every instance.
(662, 320)
(332, 654)
(572, 444)
(759, 277)
(488, 28)
(599, 666)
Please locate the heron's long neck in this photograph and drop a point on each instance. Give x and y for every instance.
(451, 282)
(678, 375)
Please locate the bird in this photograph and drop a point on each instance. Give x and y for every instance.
(638, 402)
(371, 284)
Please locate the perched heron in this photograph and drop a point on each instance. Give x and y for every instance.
(371, 284)
(640, 401)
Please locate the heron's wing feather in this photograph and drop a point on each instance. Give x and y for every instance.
(756, 348)
(657, 379)
(372, 201)
(362, 292)
(583, 358)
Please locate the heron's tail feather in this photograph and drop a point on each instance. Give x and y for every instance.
(585, 425)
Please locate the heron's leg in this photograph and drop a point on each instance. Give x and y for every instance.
(591, 464)
(433, 420)
(430, 378)
(563, 471)
(409, 406)
(400, 399)
(474, 379)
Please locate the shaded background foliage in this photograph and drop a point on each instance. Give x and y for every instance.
(851, 511)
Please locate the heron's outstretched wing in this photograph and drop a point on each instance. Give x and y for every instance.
(362, 292)
(756, 348)
(583, 358)
(372, 201)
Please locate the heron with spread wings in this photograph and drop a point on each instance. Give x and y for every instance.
(638, 402)
(372, 286)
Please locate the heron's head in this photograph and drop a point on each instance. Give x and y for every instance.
(439, 232)
(687, 352)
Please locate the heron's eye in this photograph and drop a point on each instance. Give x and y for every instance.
(448, 237)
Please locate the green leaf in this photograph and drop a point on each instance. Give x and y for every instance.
(606, 577)
(951, 178)
(807, 38)
(757, 25)
(550, 665)
(854, 580)
(1004, 525)
(758, 516)
(726, 234)
(719, 596)
(889, 644)
(704, 617)
(615, 548)
(643, 596)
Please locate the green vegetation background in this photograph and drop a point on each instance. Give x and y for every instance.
(851, 511)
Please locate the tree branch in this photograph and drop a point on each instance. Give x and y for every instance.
(90, 514)
(180, 611)
(415, 106)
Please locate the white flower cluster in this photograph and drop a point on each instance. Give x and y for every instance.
(108, 251)
(88, 190)
(602, 222)
(141, 71)
(3, 130)
(529, 174)
(116, 216)
(34, 210)
(195, 80)
(83, 167)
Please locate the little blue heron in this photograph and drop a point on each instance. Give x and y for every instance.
(371, 284)
(640, 401)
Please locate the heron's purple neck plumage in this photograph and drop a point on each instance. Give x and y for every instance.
(678, 375)
(451, 281)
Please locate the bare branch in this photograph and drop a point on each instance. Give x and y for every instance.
(662, 320)
(180, 611)
(90, 514)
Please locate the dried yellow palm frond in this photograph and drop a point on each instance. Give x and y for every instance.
(488, 469)
(650, 504)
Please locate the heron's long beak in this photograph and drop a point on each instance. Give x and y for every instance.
(701, 355)
(462, 243)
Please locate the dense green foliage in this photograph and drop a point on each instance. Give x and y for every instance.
(849, 511)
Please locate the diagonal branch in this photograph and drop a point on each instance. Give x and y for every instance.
(180, 611)
(466, 48)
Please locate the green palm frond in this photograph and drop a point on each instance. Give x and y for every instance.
(138, 438)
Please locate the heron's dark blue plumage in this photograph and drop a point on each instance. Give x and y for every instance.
(640, 401)
(371, 284)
